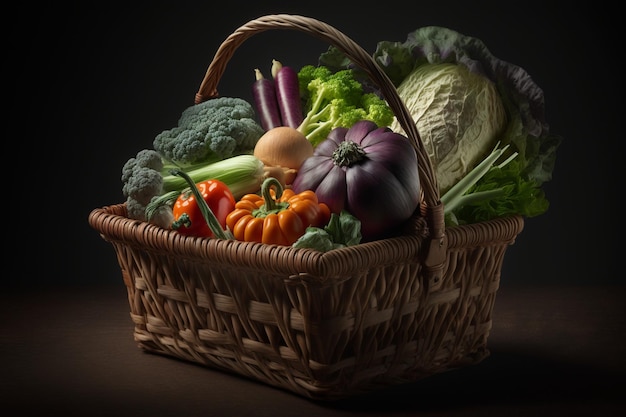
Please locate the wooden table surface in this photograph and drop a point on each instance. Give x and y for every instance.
(554, 351)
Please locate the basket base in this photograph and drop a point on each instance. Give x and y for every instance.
(360, 383)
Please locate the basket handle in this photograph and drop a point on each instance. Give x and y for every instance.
(431, 206)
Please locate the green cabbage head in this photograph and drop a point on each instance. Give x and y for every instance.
(459, 115)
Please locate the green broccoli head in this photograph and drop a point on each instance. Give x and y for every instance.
(143, 184)
(210, 131)
(337, 99)
(142, 180)
(148, 158)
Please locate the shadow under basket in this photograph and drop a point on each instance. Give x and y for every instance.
(327, 325)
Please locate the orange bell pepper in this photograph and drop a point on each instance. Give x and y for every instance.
(277, 216)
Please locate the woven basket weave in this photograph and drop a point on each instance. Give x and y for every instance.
(321, 325)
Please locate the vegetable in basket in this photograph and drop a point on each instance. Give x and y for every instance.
(367, 170)
(203, 206)
(277, 101)
(265, 101)
(465, 101)
(336, 100)
(279, 107)
(210, 131)
(142, 180)
(285, 148)
(188, 213)
(342, 230)
(277, 216)
(288, 94)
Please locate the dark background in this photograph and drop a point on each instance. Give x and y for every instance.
(109, 78)
(93, 83)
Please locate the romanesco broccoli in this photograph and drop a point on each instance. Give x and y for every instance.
(337, 99)
(210, 131)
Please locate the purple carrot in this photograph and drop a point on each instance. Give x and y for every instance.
(265, 101)
(287, 94)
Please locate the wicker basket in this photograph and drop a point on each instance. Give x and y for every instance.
(321, 325)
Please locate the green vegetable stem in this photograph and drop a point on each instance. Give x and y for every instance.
(489, 191)
(456, 196)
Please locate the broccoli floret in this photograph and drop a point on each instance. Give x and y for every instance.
(336, 100)
(309, 73)
(142, 180)
(148, 158)
(377, 110)
(210, 131)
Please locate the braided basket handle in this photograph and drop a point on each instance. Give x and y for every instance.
(431, 207)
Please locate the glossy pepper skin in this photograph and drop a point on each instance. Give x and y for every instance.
(188, 218)
(277, 216)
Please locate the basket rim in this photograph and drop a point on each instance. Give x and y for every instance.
(114, 226)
